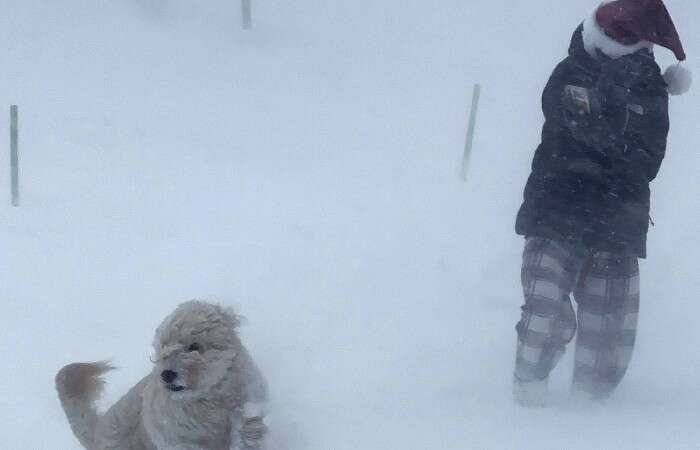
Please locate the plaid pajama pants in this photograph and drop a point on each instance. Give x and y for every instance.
(606, 289)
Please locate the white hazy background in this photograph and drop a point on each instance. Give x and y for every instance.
(305, 172)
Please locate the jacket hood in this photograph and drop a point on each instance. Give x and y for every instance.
(577, 51)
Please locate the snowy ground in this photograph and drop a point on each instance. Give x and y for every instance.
(306, 172)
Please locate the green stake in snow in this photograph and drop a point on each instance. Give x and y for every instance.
(14, 156)
(247, 14)
(470, 131)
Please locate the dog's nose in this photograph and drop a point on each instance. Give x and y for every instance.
(168, 376)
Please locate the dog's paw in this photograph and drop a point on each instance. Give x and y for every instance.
(253, 434)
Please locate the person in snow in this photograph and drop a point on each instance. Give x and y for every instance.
(586, 210)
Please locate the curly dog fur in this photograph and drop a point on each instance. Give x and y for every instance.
(204, 393)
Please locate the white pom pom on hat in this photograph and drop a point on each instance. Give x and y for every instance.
(678, 79)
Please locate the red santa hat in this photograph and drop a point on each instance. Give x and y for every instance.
(622, 27)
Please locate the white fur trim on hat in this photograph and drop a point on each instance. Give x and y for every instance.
(595, 38)
(678, 79)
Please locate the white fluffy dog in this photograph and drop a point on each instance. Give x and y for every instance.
(204, 393)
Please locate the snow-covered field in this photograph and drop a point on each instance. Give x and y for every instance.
(305, 172)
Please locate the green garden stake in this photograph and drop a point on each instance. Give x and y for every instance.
(470, 131)
(14, 156)
(247, 14)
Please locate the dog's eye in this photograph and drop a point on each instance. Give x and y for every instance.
(194, 347)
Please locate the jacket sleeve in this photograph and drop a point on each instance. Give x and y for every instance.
(552, 95)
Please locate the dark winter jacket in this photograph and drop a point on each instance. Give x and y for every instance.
(590, 177)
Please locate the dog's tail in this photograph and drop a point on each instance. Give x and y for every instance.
(78, 386)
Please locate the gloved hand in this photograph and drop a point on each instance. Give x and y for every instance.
(599, 115)
(595, 116)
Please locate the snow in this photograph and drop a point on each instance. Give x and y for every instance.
(306, 172)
